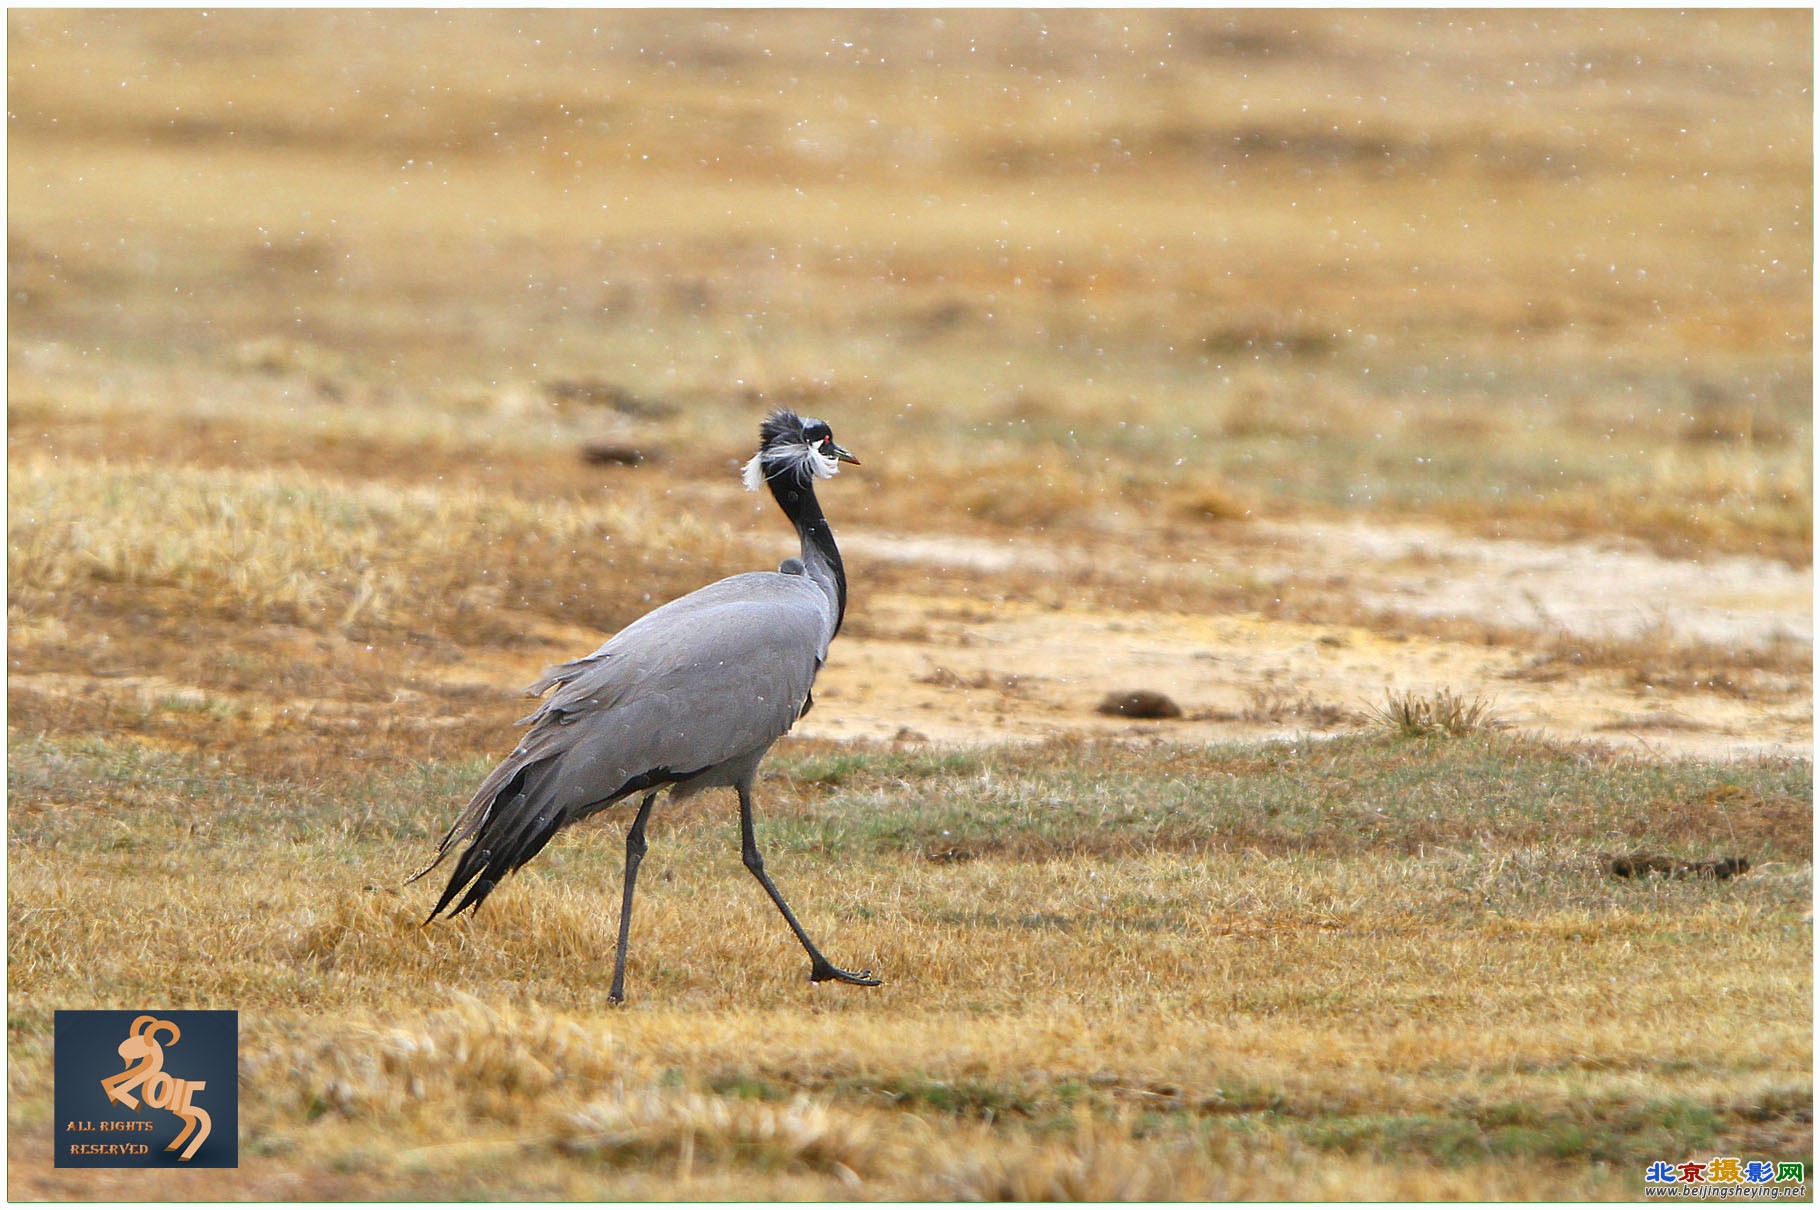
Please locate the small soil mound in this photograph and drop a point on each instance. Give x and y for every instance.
(1139, 703)
(608, 453)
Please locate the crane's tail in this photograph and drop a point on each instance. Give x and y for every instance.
(510, 819)
(518, 808)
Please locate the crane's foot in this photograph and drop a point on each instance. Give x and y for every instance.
(825, 971)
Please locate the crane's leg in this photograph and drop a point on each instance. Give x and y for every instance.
(635, 853)
(820, 968)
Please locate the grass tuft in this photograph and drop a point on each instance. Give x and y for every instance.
(633, 1127)
(494, 1062)
(1411, 715)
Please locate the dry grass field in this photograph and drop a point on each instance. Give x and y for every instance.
(1423, 401)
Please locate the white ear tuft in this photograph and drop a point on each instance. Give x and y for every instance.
(754, 474)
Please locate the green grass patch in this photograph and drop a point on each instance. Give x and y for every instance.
(1608, 1132)
(1387, 795)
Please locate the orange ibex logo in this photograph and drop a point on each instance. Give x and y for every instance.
(145, 1065)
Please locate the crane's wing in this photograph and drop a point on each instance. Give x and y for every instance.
(709, 680)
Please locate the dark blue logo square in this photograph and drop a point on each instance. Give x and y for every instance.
(147, 1089)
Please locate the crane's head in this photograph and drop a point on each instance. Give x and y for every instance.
(793, 447)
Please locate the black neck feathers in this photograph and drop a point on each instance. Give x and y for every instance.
(795, 494)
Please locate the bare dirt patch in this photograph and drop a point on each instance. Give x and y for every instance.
(1002, 664)
(1018, 670)
(1578, 587)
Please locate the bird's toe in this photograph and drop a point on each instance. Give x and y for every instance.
(831, 973)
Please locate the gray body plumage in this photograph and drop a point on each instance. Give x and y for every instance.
(657, 694)
(690, 696)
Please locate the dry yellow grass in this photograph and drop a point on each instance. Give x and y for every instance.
(1522, 296)
(272, 546)
(310, 314)
(1157, 1026)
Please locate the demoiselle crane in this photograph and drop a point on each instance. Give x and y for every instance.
(688, 697)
